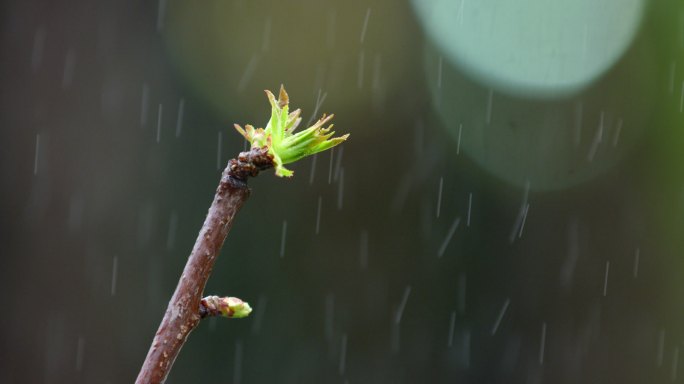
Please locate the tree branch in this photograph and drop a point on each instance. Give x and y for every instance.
(273, 146)
(183, 312)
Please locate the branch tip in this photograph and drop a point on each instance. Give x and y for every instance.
(279, 137)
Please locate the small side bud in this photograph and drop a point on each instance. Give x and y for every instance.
(230, 307)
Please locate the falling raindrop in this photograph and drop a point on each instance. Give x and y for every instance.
(237, 363)
(115, 275)
(597, 140)
(501, 315)
(159, 122)
(266, 40)
(247, 74)
(144, 104)
(179, 118)
(450, 234)
(636, 263)
(673, 66)
(439, 195)
(365, 24)
(395, 337)
(340, 190)
(402, 305)
(616, 137)
(516, 230)
(161, 14)
(318, 214)
(330, 167)
(218, 150)
(452, 326)
(320, 98)
(343, 354)
(459, 19)
(80, 348)
(458, 145)
(579, 111)
(35, 159)
(259, 316)
(661, 348)
(282, 239)
(338, 164)
(542, 344)
(524, 218)
(462, 293)
(312, 173)
(330, 33)
(605, 279)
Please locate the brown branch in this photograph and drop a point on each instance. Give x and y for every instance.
(183, 312)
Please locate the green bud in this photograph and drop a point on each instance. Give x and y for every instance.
(285, 145)
(230, 307)
(235, 308)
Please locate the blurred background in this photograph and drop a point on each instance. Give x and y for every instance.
(509, 207)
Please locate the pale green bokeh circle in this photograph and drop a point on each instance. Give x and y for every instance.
(541, 48)
(550, 144)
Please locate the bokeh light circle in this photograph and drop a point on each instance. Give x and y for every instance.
(543, 48)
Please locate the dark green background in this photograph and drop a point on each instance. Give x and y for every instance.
(105, 189)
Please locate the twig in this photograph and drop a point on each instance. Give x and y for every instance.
(271, 147)
(185, 308)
